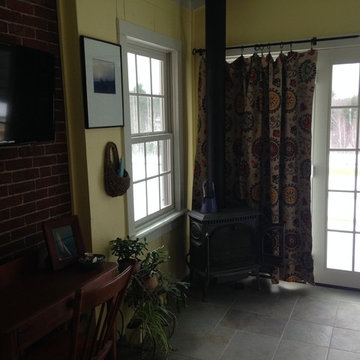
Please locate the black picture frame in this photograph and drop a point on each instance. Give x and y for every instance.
(102, 83)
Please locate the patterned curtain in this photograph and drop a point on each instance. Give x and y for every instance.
(268, 146)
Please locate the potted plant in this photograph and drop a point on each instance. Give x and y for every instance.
(152, 296)
(128, 249)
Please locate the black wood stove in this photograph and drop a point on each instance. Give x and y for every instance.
(232, 244)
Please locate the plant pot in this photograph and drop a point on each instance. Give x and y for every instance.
(150, 283)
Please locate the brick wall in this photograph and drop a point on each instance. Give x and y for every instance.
(34, 178)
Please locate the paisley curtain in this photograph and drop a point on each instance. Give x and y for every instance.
(268, 146)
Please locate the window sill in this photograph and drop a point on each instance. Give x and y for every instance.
(161, 226)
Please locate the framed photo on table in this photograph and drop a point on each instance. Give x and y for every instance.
(64, 241)
(102, 83)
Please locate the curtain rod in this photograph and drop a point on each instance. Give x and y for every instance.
(313, 41)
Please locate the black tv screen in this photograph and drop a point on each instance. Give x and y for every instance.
(26, 95)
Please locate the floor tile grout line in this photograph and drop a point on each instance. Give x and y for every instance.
(283, 332)
(332, 330)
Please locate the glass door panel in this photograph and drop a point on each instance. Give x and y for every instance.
(336, 204)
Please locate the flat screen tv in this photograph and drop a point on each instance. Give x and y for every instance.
(26, 95)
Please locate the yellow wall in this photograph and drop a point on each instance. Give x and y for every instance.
(254, 21)
(104, 218)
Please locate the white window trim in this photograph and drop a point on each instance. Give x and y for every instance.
(133, 34)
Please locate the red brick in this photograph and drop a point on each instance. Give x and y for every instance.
(38, 149)
(35, 195)
(9, 15)
(23, 232)
(4, 215)
(10, 225)
(5, 178)
(25, 151)
(62, 158)
(56, 149)
(3, 27)
(4, 191)
(4, 238)
(2, 166)
(36, 44)
(9, 153)
(37, 217)
(60, 137)
(10, 201)
(18, 164)
(27, 174)
(11, 247)
(46, 182)
(45, 171)
(21, 7)
(34, 239)
(59, 124)
(44, 160)
(23, 209)
(45, 13)
(21, 30)
(21, 187)
(64, 178)
(11, 39)
(2, 2)
(64, 209)
(53, 26)
(35, 22)
(52, 201)
(59, 169)
(60, 189)
(47, 36)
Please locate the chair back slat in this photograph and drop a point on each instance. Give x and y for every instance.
(102, 304)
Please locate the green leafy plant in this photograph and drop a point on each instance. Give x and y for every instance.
(154, 306)
(125, 249)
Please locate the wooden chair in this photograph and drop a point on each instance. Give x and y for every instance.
(91, 335)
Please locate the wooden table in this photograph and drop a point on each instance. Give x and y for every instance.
(36, 304)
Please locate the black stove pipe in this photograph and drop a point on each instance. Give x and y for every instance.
(215, 13)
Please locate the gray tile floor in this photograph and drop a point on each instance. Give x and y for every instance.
(288, 321)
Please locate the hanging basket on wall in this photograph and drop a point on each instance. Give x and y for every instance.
(115, 184)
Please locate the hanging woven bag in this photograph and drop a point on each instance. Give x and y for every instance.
(115, 185)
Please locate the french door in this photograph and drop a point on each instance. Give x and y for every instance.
(336, 169)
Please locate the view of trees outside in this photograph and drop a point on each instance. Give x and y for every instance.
(343, 208)
(151, 148)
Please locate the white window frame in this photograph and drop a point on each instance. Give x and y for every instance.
(130, 35)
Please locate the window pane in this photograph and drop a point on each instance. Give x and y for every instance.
(345, 85)
(138, 162)
(357, 253)
(139, 200)
(343, 128)
(134, 114)
(132, 72)
(158, 108)
(157, 77)
(340, 211)
(152, 159)
(153, 195)
(165, 190)
(143, 71)
(145, 114)
(342, 170)
(339, 250)
(357, 218)
(165, 155)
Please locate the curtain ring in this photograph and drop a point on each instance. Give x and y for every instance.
(281, 48)
(262, 50)
(268, 47)
(242, 51)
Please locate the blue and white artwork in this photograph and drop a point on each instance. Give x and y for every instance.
(104, 77)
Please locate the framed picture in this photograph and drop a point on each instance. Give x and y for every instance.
(102, 83)
(64, 241)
